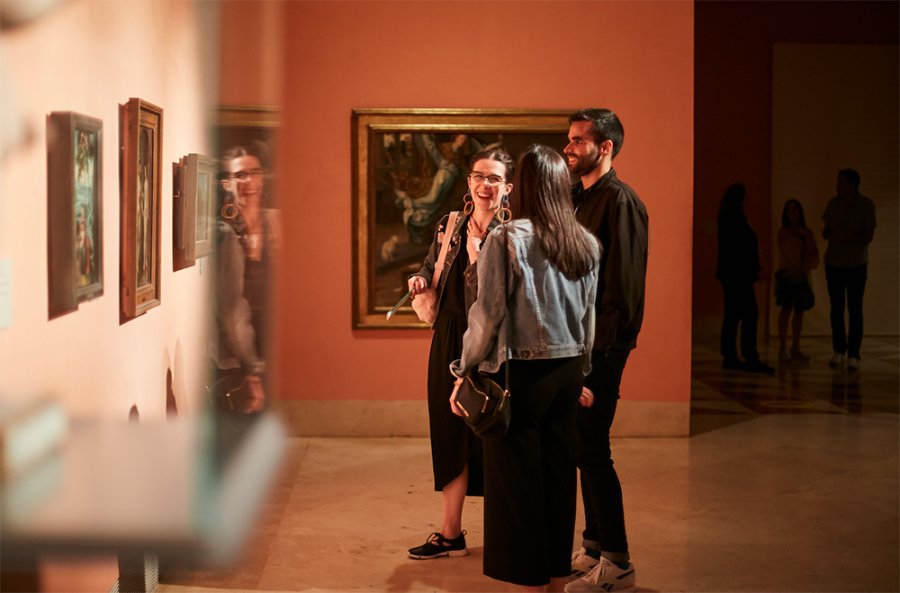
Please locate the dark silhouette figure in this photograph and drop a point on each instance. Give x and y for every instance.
(798, 254)
(849, 228)
(738, 269)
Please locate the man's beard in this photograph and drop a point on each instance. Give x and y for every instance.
(585, 164)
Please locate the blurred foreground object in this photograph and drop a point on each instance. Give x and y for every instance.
(31, 430)
(13, 127)
(166, 488)
(18, 12)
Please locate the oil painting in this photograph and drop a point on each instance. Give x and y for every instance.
(410, 169)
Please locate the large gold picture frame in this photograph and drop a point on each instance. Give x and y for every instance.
(409, 170)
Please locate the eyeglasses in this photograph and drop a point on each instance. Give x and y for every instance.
(245, 176)
(486, 179)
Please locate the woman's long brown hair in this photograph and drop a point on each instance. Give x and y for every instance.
(541, 193)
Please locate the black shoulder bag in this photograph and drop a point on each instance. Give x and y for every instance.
(485, 404)
(229, 392)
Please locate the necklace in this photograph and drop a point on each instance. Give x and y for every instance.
(475, 228)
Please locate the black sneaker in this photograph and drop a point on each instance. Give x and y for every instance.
(437, 546)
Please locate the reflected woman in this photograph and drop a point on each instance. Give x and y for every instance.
(248, 237)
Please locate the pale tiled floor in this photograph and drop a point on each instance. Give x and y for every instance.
(789, 483)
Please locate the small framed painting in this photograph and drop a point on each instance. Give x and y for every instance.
(140, 131)
(194, 213)
(74, 210)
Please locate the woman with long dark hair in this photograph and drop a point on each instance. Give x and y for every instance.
(537, 283)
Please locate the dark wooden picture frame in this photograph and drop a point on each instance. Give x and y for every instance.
(409, 169)
(140, 173)
(74, 210)
(195, 190)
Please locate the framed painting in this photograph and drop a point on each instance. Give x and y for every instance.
(194, 209)
(409, 170)
(140, 131)
(74, 210)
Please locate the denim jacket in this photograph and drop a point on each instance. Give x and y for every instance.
(549, 315)
(456, 243)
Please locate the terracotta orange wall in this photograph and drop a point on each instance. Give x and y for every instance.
(733, 114)
(250, 53)
(636, 58)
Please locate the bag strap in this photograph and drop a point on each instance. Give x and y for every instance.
(509, 323)
(445, 246)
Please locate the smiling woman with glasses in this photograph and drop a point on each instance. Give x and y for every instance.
(245, 258)
(456, 452)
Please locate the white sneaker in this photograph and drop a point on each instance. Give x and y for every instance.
(836, 361)
(582, 562)
(852, 364)
(605, 577)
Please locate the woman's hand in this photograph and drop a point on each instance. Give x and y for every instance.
(257, 398)
(453, 406)
(586, 399)
(417, 285)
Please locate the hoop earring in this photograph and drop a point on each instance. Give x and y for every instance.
(504, 214)
(229, 210)
(468, 204)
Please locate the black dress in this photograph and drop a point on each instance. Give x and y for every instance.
(453, 445)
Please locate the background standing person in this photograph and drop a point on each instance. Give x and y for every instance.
(612, 211)
(737, 269)
(456, 453)
(798, 254)
(849, 228)
(537, 281)
(248, 236)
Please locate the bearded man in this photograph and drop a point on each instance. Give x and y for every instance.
(613, 212)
